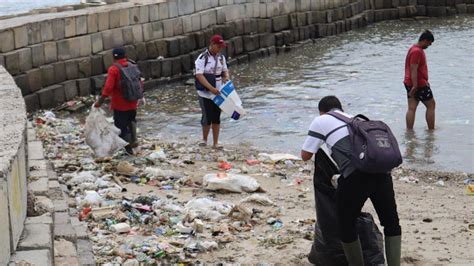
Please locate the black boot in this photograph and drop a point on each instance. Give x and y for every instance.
(129, 149)
(393, 247)
(133, 135)
(353, 252)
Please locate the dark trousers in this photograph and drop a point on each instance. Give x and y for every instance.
(125, 121)
(351, 194)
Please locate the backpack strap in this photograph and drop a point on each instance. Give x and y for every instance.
(362, 117)
(339, 116)
(206, 60)
(120, 67)
(332, 131)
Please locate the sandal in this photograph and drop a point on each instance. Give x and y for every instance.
(219, 148)
(202, 144)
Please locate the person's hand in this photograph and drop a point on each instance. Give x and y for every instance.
(97, 104)
(215, 91)
(412, 91)
(142, 101)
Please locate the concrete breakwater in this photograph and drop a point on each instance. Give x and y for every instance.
(55, 57)
(13, 165)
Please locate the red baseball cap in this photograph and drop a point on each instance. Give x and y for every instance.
(217, 39)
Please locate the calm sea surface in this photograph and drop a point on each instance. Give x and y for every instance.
(364, 68)
(10, 7)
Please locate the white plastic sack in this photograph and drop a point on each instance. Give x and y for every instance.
(157, 173)
(93, 198)
(158, 155)
(260, 199)
(75, 179)
(230, 182)
(276, 157)
(165, 205)
(102, 136)
(208, 209)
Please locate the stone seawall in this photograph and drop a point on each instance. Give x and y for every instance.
(57, 56)
(13, 167)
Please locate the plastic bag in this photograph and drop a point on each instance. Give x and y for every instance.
(208, 209)
(75, 179)
(229, 101)
(276, 157)
(102, 136)
(230, 182)
(327, 248)
(92, 198)
(160, 174)
(260, 199)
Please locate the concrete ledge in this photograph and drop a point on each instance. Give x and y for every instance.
(13, 169)
(36, 236)
(32, 257)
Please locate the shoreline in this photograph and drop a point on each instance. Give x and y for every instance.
(285, 228)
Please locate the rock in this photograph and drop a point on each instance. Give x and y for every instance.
(43, 205)
(99, 214)
(131, 262)
(198, 226)
(64, 248)
(32, 257)
(36, 236)
(125, 168)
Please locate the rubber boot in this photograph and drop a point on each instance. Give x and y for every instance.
(133, 135)
(393, 247)
(353, 252)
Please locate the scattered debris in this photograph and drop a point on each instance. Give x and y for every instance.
(157, 208)
(230, 182)
(409, 179)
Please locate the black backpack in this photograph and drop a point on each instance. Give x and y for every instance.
(374, 147)
(131, 84)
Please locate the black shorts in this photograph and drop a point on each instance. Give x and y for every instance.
(422, 94)
(211, 113)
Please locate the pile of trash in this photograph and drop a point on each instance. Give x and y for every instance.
(164, 204)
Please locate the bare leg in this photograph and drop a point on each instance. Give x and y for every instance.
(410, 116)
(215, 133)
(205, 132)
(430, 113)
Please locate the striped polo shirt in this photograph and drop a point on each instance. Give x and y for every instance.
(338, 141)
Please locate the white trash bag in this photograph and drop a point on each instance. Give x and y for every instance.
(231, 183)
(276, 157)
(208, 209)
(102, 136)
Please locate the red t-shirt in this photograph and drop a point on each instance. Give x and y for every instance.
(416, 55)
(113, 88)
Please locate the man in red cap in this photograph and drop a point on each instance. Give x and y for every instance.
(211, 74)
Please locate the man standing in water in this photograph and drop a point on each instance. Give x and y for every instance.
(354, 186)
(416, 81)
(211, 74)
